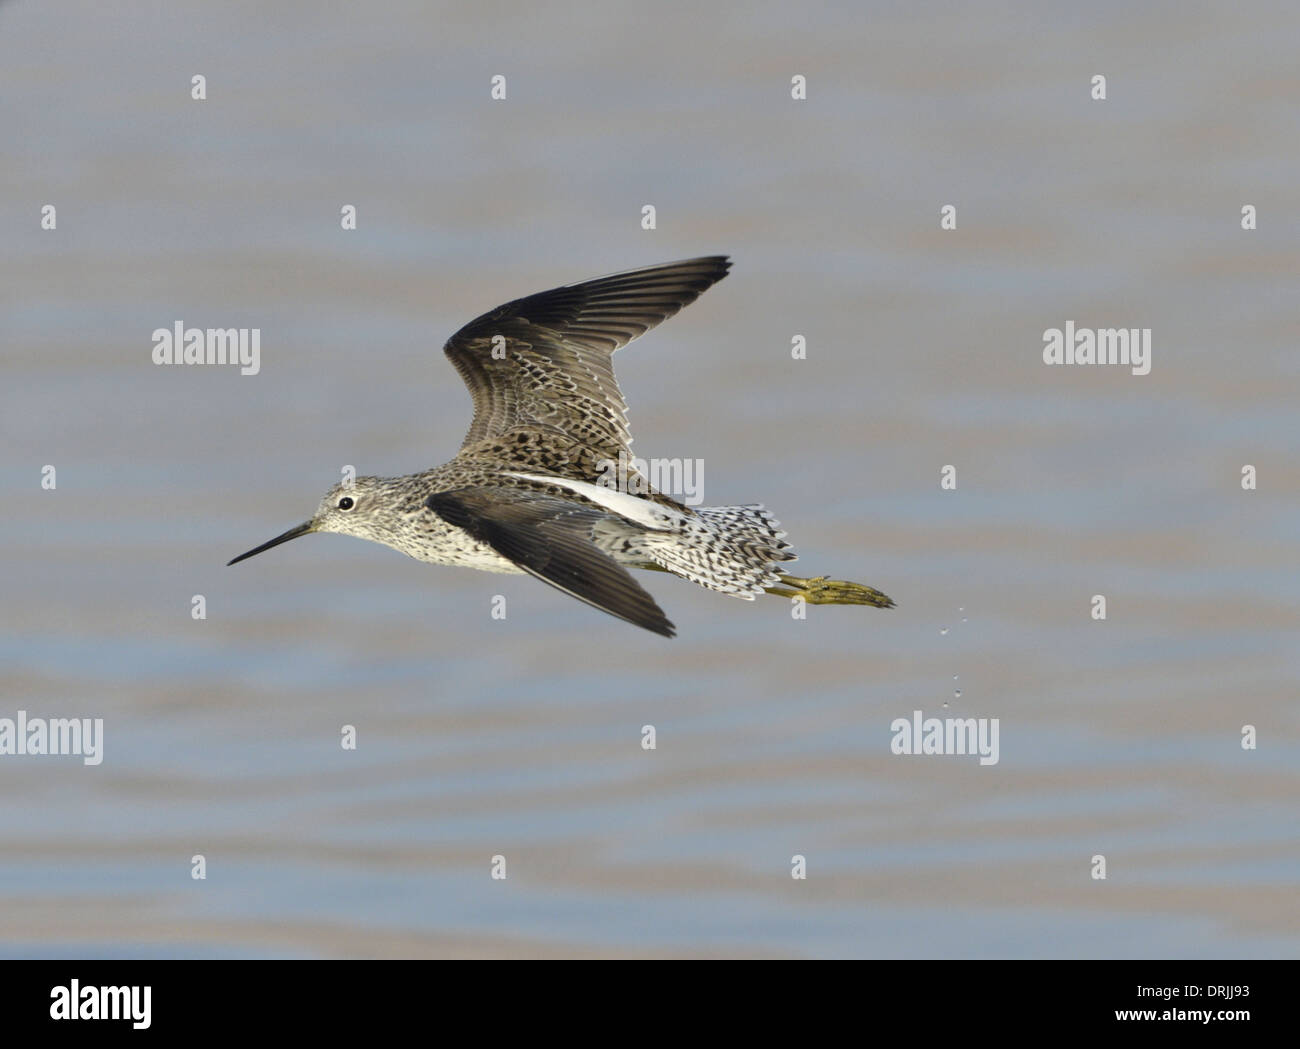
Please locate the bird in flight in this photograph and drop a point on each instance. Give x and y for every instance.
(530, 489)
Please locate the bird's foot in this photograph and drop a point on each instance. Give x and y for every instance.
(820, 590)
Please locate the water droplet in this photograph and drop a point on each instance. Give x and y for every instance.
(961, 609)
(943, 630)
(955, 695)
(945, 704)
(954, 677)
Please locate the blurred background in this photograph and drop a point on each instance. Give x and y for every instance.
(521, 737)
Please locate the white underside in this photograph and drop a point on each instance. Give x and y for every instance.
(640, 511)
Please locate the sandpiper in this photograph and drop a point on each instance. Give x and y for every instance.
(528, 490)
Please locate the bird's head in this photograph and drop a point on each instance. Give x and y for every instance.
(349, 508)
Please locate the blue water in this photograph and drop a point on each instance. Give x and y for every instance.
(521, 737)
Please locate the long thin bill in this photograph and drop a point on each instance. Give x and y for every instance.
(292, 533)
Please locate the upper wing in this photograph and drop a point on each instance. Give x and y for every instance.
(539, 368)
(550, 538)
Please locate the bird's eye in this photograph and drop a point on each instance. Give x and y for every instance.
(346, 503)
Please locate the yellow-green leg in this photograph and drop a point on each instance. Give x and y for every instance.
(822, 591)
(819, 590)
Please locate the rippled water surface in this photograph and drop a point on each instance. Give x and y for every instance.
(522, 737)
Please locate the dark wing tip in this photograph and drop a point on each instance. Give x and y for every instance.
(721, 263)
(702, 271)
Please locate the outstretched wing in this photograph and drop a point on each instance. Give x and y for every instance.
(550, 538)
(540, 369)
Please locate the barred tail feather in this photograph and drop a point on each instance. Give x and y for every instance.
(733, 550)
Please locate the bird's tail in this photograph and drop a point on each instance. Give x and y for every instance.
(736, 550)
(731, 549)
